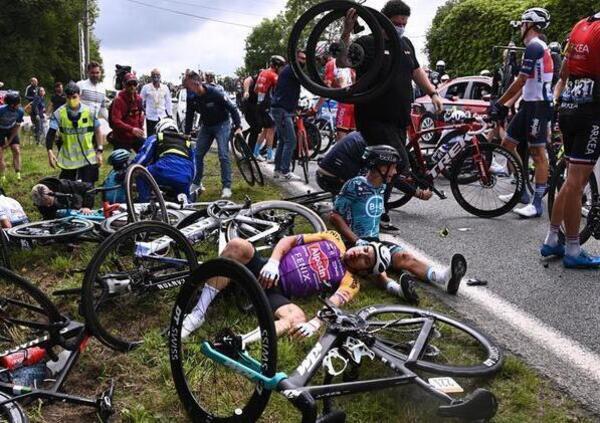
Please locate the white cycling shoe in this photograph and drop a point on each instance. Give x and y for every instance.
(528, 211)
(226, 193)
(191, 323)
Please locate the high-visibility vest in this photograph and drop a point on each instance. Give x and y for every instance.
(172, 144)
(77, 148)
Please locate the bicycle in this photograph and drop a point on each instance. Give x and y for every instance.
(245, 160)
(325, 122)
(468, 164)
(29, 321)
(307, 146)
(237, 350)
(129, 285)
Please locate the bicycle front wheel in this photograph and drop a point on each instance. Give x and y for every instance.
(11, 412)
(243, 158)
(218, 334)
(62, 229)
(453, 348)
(144, 198)
(484, 193)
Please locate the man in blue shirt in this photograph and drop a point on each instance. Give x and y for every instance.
(283, 108)
(215, 109)
(11, 117)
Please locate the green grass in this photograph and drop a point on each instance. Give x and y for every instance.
(145, 391)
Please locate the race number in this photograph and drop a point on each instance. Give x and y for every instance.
(446, 385)
(579, 91)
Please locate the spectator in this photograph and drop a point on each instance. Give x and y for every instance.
(48, 204)
(156, 98)
(31, 89)
(127, 116)
(58, 98)
(81, 152)
(283, 108)
(11, 212)
(215, 109)
(11, 117)
(38, 112)
(93, 93)
(211, 80)
(250, 110)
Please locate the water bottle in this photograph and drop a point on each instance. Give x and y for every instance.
(26, 357)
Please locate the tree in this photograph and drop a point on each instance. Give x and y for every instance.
(40, 38)
(463, 32)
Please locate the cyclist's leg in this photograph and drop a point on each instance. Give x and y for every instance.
(16, 154)
(287, 314)
(516, 134)
(539, 130)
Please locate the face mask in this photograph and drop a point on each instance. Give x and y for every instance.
(155, 78)
(400, 31)
(73, 103)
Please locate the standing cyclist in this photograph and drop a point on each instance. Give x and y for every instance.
(578, 91)
(11, 117)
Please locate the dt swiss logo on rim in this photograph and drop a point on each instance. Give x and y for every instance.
(318, 261)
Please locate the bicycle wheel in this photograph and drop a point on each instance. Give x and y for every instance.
(327, 135)
(12, 412)
(114, 223)
(4, 250)
(242, 157)
(144, 199)
(208, 389)
(481, 196)
(590, 202)
(128, 286)
(290, 219)
(453, 348)
(398, 197)
(313, 138)
(62, 229)
(256, 172)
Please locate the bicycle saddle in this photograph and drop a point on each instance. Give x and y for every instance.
(480, 404)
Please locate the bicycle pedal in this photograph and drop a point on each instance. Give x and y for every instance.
(105, 403)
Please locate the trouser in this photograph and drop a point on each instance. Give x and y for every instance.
(206, 136)
(87, 173)
(284, 124)
(151, 127)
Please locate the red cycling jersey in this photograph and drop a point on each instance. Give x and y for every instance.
(267, 79)
(583, 56)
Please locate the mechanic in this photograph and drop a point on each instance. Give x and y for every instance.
(11, 117)
(357, 211)
(292, 271)
(531, 125)
(578, 92)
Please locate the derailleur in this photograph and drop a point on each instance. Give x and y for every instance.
(104, 403)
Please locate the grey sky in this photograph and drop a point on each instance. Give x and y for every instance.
(146, 37)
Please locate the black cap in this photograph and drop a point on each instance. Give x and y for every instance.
(72, 88)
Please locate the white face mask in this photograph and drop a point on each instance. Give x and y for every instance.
(400, 31)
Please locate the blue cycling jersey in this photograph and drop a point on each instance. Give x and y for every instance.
(9, 117)
(361, 206)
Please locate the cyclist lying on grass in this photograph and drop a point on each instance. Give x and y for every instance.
(300, 266)
(48, 204)
(11, 212)
(357, 213)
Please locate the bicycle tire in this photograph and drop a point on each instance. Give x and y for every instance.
(325, 129)
(558, 179)
(489, 363)
(459, 190)
(256, 172)
(120, 335)
(12, 412)
(4, 250)
(52, 229)
(313, 138)
(404, 197)
(156, 197)
(242, 157)
(247, 285)
(114, 223)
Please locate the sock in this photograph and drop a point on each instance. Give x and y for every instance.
(552, 236)
(393, 287)
(19, 176)
(540, 190)
(439, 275)
(251, 337)
(573, 248)
(208, 295)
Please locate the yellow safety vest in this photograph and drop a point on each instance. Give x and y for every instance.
(77, 148)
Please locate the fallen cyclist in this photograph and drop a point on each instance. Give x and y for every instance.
(357, 214)
(48, 203)
(300, 266)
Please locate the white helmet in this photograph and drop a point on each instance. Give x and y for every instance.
(166, 124)
(538, 16)
(445, 78)
(440, 63)
(457, 116)
(485, 72)
(383, 258)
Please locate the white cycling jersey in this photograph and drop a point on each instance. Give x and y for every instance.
(539, 69)
(11, 209)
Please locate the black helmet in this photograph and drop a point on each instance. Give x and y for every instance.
(555, 47)
(72, 88)
(276, 61)
(380, 155)
(12, 97)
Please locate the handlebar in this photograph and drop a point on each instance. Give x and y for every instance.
(484, 123)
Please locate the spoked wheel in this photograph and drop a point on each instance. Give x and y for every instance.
(452, 349)
(131, 282)
(327, 135)
(398, 197)
(63, 229)
(243, 158)
(313, 138)
(221, 334)
(144, 198)
(11, 412)
(114, 223)
(481, 196)
(590, 204)
(288, 218)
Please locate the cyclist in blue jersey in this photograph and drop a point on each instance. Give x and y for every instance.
(119, 160)
(169, 158)
(531, 125)
(11, 117)
(357, 214)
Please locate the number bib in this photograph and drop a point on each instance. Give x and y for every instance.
(581, 91)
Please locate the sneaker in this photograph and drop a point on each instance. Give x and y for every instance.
(547, 250)
(290, 177)
(458, 268)
(190, 324)
(582, 261)
(259, 158)
(525, 198)
(529, 211)
(277, 174)
(386, 223)
(271, 161)
(407, 285)
(226, 193)
(498, 169)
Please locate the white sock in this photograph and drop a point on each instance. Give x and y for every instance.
(439, 275)
(573, 248)
(250, 337)
(393, 287)
(209, 293)
(552, 236)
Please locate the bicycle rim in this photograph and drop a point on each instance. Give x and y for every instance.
(11, 412)
(453, 349)
(130, 285)
(56, 229)
(144, 198)
(481, 197)
(313, 138)
(242, 156)
(114, 223)
(209, 390)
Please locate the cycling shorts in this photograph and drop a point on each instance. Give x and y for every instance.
(345, 117)
(5, 134)
(275, 294)
(531, 124)
(265, 120)
(329, 183)
(581, 138)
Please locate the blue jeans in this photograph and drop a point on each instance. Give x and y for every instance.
(205, 139)
(284, 124)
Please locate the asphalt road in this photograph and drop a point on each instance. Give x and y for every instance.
(535, 308)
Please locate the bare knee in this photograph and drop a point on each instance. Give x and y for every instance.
(291, 315)
(238, 249)
(402, 259)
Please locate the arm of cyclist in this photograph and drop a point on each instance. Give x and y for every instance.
(560, 85)
(340, 225)
(269, 274)
(247, 85)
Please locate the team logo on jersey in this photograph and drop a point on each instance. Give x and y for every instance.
(374, 206)
(318, 261)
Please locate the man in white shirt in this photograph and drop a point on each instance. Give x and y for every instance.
(156, 98)
(93, 93)
(11, 212)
